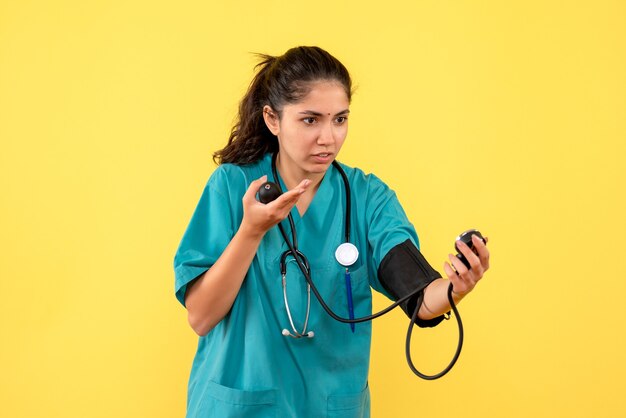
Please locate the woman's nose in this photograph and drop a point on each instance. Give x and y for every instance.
(326, 136)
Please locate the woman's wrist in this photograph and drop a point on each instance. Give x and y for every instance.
(250, 232)
(458, 296)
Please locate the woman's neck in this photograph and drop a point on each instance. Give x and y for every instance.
(292, 175)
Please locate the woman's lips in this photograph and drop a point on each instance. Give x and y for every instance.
(323, 157)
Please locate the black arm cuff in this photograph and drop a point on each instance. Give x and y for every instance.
(403, 270)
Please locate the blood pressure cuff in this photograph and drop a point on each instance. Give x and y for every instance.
(403, 270)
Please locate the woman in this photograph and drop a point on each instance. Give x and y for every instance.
(294, 119)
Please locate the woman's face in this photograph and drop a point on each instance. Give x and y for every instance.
(311, 132)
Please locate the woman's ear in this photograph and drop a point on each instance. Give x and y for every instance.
(271, 120)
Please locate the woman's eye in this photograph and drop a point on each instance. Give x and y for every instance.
(341, 119)
(309, 121)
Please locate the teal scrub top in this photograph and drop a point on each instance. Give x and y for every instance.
(245, 367)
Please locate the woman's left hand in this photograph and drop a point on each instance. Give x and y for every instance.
(464, 279)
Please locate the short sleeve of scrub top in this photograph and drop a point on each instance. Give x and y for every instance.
(212, 226)
(387, 224)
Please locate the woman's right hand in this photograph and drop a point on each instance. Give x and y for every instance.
(258, 218)
(210, 297)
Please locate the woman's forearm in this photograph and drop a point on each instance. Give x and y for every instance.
(211, 296)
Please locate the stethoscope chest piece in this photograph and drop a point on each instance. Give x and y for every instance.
(346, 254)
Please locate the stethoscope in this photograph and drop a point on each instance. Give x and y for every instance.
(346, 254)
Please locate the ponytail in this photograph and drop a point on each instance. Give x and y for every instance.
(250, 138)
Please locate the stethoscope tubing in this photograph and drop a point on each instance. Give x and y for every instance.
(336, 317)
(318, 296)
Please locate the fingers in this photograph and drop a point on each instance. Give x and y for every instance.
(459, 286)
(254, 188)
(483, 252)
(289, 199)
(283, 201)
(458, 265)
(451, 273)
(260, 217)
(464, 279)
(470, 256)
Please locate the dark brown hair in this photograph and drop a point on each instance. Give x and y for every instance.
(280, 80)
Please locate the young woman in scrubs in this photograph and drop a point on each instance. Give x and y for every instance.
(227, 265)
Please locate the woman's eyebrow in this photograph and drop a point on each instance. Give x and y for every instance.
(314, 113)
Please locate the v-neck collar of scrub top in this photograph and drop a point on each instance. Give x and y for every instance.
(323, 207)
(320, 200)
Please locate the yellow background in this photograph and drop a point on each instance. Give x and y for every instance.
(504, 116)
